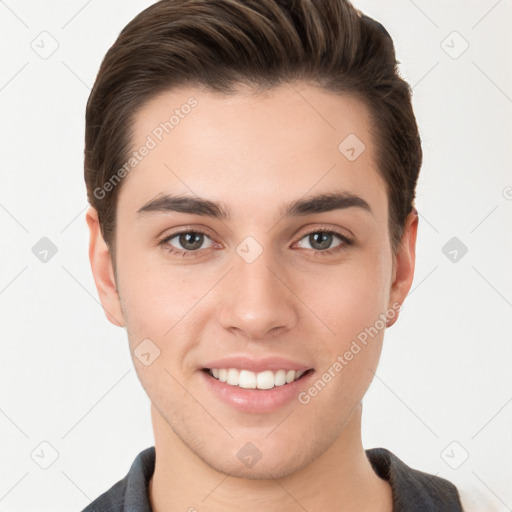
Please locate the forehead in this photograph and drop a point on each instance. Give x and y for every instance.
(278, 144)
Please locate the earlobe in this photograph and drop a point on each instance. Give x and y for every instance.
(102, 269)
(404, 263)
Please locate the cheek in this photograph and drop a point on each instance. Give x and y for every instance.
(350, 298)
(351, 302)
(152, 294)
(165, 304)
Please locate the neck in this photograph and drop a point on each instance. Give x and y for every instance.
(340, 479)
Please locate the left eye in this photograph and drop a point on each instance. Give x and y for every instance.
(322, 240)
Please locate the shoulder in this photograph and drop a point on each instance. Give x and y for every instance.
(414, 490)
(131, 492)
(111, 500)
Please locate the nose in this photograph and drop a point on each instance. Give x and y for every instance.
(258, 300)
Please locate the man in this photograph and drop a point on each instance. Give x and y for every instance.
(251, 168)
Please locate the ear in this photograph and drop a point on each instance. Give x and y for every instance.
(403, 264)
(102, 270)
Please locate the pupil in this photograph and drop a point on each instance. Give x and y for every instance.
(188, 238)
(324, 237)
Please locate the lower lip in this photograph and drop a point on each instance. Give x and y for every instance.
(256, 400)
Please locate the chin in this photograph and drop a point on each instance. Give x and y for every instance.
(262, 469)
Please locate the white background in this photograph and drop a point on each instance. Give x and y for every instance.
(445, 373)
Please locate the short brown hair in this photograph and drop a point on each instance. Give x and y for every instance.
(219, 44)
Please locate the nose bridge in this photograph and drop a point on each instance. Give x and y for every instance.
(257, 300)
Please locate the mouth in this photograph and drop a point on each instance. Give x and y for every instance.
(263, 380)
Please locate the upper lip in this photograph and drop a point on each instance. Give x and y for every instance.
(242, 362)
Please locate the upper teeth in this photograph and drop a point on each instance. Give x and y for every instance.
(251, 380)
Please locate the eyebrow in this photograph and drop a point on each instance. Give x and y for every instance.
(198, 206)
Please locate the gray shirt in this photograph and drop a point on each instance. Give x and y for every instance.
(413, 490)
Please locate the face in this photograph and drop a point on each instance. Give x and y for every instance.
(248, 282)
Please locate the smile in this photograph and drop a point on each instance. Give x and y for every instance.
(255, 380)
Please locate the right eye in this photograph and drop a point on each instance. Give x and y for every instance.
(189, 240)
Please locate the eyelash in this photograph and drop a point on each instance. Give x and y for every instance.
(346, 242)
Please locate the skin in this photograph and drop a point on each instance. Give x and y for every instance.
(255, 152)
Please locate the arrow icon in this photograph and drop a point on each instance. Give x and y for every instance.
(146, 352)
(44, 455)
(44, 250)
(454, 45)
(451, 455)
(249, 249)
(454, 455)
(454, 249)
(45, 45)
(351, 147)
